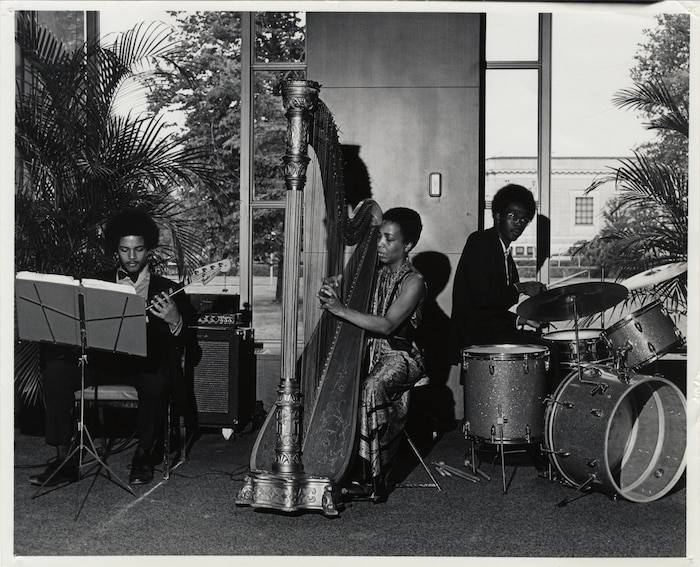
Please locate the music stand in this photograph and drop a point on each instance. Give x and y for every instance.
(89, 314)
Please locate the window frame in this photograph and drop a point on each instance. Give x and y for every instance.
(248, 203)
(543, 66)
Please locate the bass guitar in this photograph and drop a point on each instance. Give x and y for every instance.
(203, 275)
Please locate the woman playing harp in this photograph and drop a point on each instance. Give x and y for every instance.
(395, 363)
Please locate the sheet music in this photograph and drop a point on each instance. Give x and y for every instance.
(109, 286)
(111, 312)
(49, 310)
(51, 278)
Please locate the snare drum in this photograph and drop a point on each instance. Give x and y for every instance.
(592, 346)
(625, 438)
(504, 389)
(649, 333)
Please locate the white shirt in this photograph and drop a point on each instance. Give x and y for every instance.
(506, 253)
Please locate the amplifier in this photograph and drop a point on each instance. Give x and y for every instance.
(220, 369)
(224, 319)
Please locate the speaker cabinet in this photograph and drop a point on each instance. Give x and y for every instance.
(221, 372)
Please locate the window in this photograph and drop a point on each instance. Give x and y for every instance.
(514, 102)
(274, 48)
(67, 26)
(583, 214)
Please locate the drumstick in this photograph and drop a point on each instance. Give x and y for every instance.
(458, 472)
(468, 463)
(567, 278)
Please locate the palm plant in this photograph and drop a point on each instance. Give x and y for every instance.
(647, 222)
(78, 160)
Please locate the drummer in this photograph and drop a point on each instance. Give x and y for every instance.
(486, 284)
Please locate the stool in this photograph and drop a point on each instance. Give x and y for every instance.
(422, 382)
(126, 397)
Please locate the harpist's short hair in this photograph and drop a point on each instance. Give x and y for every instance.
(409, 221)
(131, 222)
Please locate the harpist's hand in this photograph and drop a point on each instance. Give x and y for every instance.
(328, 299)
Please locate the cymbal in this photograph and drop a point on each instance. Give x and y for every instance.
(655, 275)
(557, 304)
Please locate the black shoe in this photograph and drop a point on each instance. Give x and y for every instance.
(358, 490)
(141, 469)
(53, 476)
(380, 494)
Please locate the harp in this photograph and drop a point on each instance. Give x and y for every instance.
(305, 445)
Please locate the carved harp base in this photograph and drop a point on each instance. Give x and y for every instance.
(288, 492)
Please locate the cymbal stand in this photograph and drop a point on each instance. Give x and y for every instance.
(578, 344)
(85, 442)
(576, 334)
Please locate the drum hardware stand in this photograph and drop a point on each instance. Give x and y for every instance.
(620, 362)
(471, 463)
(549, 400)
(547, 451)
(566, 501)
(500, 422)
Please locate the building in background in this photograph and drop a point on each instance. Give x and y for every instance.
(575, 215)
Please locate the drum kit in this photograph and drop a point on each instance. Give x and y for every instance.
(607, 426)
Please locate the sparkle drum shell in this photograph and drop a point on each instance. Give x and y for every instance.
(592, 346)
(504, 388)
(625, 438)
(649, 331)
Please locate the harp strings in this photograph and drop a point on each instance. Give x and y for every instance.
(343, 233)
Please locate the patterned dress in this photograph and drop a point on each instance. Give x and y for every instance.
(395, 365)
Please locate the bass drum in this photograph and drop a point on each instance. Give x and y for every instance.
(622, 438)
(504, 389)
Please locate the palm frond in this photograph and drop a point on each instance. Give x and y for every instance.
(28, 378)
(654, 98)
(78, 162)
(647, 222)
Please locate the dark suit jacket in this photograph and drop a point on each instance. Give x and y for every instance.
(481, 296)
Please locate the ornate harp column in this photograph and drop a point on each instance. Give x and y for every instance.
(286, 487)
(299, 99)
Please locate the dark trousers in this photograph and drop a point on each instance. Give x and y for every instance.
(62, 379)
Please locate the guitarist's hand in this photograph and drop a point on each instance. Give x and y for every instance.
(166, 309)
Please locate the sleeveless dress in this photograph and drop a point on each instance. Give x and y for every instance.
(395, 365)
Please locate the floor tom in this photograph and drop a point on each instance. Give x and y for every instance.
(504, 389)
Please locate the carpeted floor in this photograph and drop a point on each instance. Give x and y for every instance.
(193, 514)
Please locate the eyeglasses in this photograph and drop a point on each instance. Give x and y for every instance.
(518, 219)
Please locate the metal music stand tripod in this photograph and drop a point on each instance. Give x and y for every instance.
(88, 314)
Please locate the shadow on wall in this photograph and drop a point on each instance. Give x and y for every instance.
(355, 175)
(435, 401)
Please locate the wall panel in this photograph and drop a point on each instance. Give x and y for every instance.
(405, 88)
